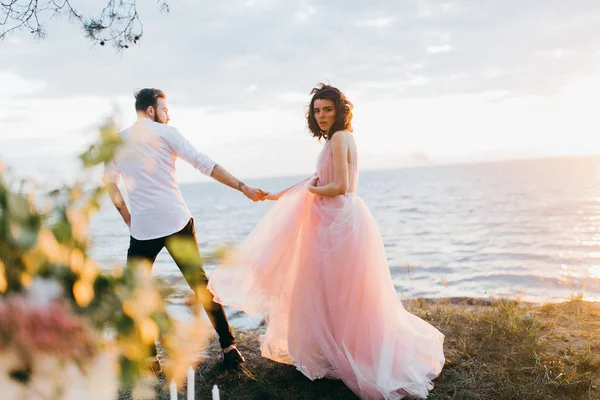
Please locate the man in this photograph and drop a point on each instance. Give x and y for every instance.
(159, 216)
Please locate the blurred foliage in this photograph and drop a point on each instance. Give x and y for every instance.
(51, 241)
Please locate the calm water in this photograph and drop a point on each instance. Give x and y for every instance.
(521, 228)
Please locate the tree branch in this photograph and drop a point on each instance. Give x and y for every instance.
(119, 22)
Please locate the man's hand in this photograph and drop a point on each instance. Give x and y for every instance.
(253, 194)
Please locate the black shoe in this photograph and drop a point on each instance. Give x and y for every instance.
(233, 358)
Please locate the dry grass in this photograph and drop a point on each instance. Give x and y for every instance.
(511, 350)
(494, 350)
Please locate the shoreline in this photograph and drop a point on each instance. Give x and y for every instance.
(495, 349)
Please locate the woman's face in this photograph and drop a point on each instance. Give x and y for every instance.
(324, 111)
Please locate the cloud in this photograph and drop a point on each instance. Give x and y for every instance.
(418, 80)
(429, 9)
(557, 53)
(258, 3)
(210, 54)
(296, 98)
(445, 48)
(15, 85)
(239, 72)
(305, 13)
(377, 22)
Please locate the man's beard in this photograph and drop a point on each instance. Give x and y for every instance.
(156, 117)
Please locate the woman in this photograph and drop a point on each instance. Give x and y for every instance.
(315, 266)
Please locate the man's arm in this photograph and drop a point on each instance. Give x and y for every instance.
(184, 149)
(221, 175)
(111, 180)
(119, 202)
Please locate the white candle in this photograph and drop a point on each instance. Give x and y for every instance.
(215, 393)
(173, 390)
(191, 384)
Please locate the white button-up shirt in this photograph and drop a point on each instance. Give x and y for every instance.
(146, 160)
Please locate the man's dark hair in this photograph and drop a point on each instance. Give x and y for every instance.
(147, 97)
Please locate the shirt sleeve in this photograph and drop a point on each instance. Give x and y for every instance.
(184, 150)
(111, 173)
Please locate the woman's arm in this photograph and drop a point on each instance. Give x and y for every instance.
(276, 196)
(339, 186)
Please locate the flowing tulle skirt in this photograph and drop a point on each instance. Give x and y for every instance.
(317, 269)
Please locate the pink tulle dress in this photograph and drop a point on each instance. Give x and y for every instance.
(316, 268)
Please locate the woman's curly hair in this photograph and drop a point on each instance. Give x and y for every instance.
(343, 111)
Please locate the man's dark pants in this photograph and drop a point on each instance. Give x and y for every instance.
(183, 247)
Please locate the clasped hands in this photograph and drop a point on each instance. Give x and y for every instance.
(254, 194)
(260, 195)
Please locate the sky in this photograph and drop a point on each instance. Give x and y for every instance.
(432, 82)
